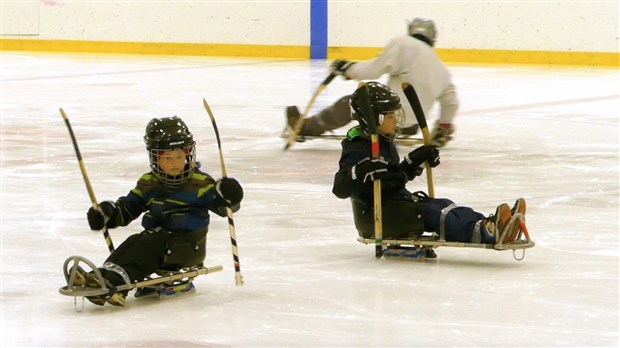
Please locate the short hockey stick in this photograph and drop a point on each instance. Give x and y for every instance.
(229, 213)
(412, 97)
(300, 122)
(89, 188)
(368, 115)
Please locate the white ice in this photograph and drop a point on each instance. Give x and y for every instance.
(549, 134)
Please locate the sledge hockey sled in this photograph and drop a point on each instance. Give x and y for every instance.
(165, 282)
(416, 249)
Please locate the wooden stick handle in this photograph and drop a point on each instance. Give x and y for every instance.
(414, 101)
(89, 188)
(229, 212)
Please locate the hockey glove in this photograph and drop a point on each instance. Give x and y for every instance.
(369, 170)
(98, 218)
(229, 190)
(340, 66)
(412, 172)
(426, 153)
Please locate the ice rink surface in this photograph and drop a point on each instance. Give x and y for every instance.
(549, 134)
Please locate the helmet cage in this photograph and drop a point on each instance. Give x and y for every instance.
(173, 181)
(168, 134)
(399, 114)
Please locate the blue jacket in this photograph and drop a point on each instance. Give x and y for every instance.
(183, 209)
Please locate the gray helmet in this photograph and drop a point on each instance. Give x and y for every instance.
(165, 134)
(423, 27)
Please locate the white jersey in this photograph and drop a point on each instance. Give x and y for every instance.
(407, 59)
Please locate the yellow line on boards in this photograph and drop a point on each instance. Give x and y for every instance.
(156, 48)
(471, 56)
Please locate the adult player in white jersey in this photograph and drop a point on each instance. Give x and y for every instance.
(408, 58)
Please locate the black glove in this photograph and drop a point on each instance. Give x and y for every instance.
(98, 218)
(411, 172)
(368, 170)
(425, 153)
(393, 179)
(229, 190)
(340, 66)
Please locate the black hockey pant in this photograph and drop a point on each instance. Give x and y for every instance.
(139, 256)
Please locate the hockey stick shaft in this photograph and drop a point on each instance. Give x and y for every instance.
(173, 277)
(229, 213)
(414, 101)
(89, 188)
(362, 91)
(300, 122)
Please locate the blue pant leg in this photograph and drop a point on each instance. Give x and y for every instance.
(432, 212)
(460, 223)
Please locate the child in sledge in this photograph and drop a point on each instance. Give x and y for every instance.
(406, 215)
(175, 197)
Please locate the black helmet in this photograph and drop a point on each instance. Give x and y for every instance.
(165, 134)
(382, 101)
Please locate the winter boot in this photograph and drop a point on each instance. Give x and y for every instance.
(85, 279)
(496, 223)
(518, 208)
(115, 299)
(92, 281)
(442, 133)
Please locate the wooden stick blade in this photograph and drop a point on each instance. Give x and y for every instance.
(363, 99)
(414, 101)
(89, 188)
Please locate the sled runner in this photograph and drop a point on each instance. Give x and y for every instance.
(416, 249)
(163, 283)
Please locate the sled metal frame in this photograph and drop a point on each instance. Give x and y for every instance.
(70, 270)
(522, 241)
(434, 242)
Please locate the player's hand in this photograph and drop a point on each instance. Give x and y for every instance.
(98, 218)
(368, 170)
(411, 172)
(340, 66)
(229, 190)
(425, 153)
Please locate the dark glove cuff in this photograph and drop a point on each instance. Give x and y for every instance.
(229, 190)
